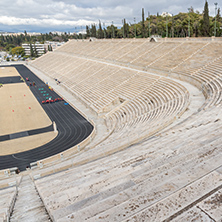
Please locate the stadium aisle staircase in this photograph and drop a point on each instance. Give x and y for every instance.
(28, 205)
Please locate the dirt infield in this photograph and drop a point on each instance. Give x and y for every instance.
(8, 72)
(20, 110)
(25, 143)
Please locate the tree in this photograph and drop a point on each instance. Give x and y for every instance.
(206, 21)
(111, 31)
(124, 29)
(49, 48)
(196, 26)
(172, 28)
(35, 51)
(93, 30)
(9, 47)
(218, 15)
(143, 25)
(104, 30)
(100, 31)
(218, 23)
(18, 51)
(31, 50)
(87, 32)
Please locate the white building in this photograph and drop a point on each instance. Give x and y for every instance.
(164, 14)
(19, 33)
(40, 48)
(57, 33)
(54, 45)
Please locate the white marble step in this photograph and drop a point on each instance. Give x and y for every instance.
(170, 205)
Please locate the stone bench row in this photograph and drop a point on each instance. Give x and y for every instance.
(183, 161)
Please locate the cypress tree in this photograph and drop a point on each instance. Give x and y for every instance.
(113, 31)
(31, 50)
(123, 28)
(93, 30)
(35, 51)
(143, 25)
(218, 15)
(87, 31)
(100, 31)
(206, 21)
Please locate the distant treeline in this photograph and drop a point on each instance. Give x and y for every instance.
(11, 41)
(192, 23)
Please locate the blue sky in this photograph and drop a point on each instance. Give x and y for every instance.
(55, 15)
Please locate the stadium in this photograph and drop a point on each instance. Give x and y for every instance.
(126, 130)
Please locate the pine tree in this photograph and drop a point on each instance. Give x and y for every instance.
(206, 21)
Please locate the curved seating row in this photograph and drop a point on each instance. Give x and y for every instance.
(145, 97)
(142, 181)
(183, 57)
(156, 179)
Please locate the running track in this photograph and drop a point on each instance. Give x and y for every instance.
(72, 126)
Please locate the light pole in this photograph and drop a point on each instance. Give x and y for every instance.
(189, 22)
(215, 28)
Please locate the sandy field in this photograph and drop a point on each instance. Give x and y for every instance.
(8, 72)
(25, 143)
(20, 111)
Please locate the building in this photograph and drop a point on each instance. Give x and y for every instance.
(19, 33)
(40, 48)
(164, 14)
(53, 45)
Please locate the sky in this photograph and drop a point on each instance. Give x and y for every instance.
(73, 15)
